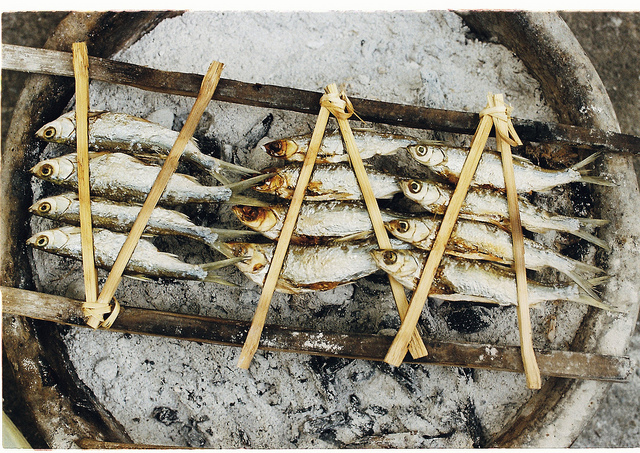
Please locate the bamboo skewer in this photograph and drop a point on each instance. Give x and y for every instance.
(397, 350)
(81, 71)
(416, 345)
(532, 372)
(260, 316)
(209, 84)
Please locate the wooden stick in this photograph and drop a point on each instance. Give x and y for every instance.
(229, 332)
(52, 62)
(260, 316)
(398, 347)
(209, 84)
(416, 345)
(81, 71)
(532, 372)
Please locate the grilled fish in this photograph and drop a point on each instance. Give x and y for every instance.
(121, 216)
(146, 260)
(447, 161)
(328, 182)
(306, 268)
(474, 281)
(332, 148)
(121, 177)
(317, 222)
(126, 133)
(486, 205)
(477, 240)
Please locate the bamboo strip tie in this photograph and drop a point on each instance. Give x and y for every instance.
(260, 316)
(504, 129)
(81, 73)
(340, 106)
(209, 84)
(396, 352)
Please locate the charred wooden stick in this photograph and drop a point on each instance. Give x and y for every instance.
(27, 59)
(416, 346)
(566, 364)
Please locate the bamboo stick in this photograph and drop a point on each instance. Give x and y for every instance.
(209, 84)
(81, 71)
(416, 345)
(229, 332)
(532, 372)
(260, 316)
(397, 350)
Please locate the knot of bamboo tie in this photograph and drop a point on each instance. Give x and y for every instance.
(500, 114)
(95, 312)
(338, 104)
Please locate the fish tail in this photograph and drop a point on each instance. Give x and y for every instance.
(597, 180)
(226, 235)
(239, 186)
(593, 222)
(211, 276)
(584, 298)
(584, 284)
(247, 201)
(591, 238)
(597, 281)
(238, 169)
(583, 163)
(586, 268)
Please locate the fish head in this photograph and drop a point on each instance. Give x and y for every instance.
(52, 206)
(58, 169)
(410, 230)
(400, 263)
(60, 130)
(258, 218)
(428, 155)
(51, 240)
(282, 149)
(272, 184)
(424, 192)
(255, 257)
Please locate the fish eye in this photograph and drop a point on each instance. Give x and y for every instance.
(403, 226)
(275, 148)
(415, 186)
(46, 170)
(44, 207)
(421, 150)
(389, 257)
(49, 132)
(42, 241)
(250, 213)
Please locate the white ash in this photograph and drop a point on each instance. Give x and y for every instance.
(188, 394)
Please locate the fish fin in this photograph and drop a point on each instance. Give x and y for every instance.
(433, 143)
(214, 278)
(591, 238)
(585, 162)
(139, 277)
(222, 263)
(586, 268)
(478, 256)
(354, 236)
(521, 159)
(598, 180)
(248, 201)
(247, 183)
(463, 298)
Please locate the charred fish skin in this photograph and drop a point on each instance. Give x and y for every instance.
(328, 182)
(332, 150)
(146, 259)
(306, 268)
(318, 222)
(119, 217)
(448, 161)
(472, 280)
(126, 133)
(487, 205)
(121, 177)
(477, 240)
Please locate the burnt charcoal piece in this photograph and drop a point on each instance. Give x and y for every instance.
(165, 415)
